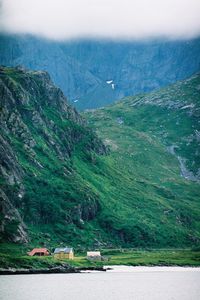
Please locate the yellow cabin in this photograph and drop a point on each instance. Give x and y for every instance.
(64, 253)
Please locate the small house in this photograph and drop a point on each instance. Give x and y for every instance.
(94, 255)
(39, 252)
(64, 253)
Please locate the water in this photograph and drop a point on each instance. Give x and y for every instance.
(123, 283)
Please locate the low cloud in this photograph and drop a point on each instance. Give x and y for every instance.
(116, 19)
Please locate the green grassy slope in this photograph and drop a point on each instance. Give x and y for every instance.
(151, 189)
(70, 191)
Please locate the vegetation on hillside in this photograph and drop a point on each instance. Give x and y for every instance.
(70, 190)
(151, 187)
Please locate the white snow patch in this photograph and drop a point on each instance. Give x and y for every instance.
(109, 81)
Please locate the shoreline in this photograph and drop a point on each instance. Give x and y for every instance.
(111, 268)
(54, 270)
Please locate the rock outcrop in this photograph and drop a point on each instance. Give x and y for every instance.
(12, 226)
(39, 134)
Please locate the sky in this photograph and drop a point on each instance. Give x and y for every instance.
(115, 19)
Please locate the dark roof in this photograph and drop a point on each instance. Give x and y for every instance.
(65, 250)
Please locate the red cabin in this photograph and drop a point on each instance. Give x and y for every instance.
(39, 252)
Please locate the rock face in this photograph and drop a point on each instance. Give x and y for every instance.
(39, 133)
(95, 73)
(12, 226)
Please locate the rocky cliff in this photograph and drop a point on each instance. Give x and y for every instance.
(40, 132)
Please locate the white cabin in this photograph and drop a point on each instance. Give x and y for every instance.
(94, 255)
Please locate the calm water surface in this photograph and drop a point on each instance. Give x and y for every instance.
(123, 283)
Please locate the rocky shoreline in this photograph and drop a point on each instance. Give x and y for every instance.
(54, 270)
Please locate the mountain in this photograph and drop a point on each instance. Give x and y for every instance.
(61, 184)
(41, 136)
(39, 54)
(155, 142)
(96, 73)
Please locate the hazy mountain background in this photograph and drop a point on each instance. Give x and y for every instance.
(95, 73)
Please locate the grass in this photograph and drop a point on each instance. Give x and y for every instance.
(153, 204)
(13, 256)
(155, 258)
(144, 258)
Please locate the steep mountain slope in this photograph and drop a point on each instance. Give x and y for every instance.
(84, 69)
(154, 141)
(40, 136)
(60, 184)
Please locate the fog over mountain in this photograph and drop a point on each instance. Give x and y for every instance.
(99, 51)
(122, 19)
